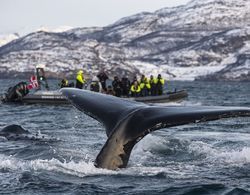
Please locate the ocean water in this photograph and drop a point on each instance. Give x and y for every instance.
(205, 158)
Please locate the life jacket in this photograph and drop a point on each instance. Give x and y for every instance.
(148, 86)
(137, 90)
(142, 85)
(155, 80)
(160, 81)
(80, 77)
(64, 83)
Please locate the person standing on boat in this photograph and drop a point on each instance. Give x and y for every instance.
(135, 89)
(117, 86)
(80, 81)
(134, 79)
(152, 82)
(102, 76)
(148, 87)
(95, 85)
(144, 85)
(64, 83)
(41, 78)
(125, 86)
(159, 85)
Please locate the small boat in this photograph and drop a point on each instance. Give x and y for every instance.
(56, 97)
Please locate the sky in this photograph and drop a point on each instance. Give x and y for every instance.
(23, 16)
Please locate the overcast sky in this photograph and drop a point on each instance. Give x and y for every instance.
(23, 16)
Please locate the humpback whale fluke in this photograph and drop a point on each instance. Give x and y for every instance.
(127, 122)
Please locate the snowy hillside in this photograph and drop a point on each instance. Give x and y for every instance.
(4, 39)
(205, 39)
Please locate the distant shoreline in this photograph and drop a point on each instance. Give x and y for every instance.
(71, 76)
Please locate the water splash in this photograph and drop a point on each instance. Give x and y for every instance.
(80, 169)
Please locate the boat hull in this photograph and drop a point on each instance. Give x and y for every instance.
(55, 97)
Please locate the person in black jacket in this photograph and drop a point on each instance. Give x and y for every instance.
(125, 84)
(117, 86)
(41, 79)
(102, 76)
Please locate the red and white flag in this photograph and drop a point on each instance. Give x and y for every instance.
(33, 82)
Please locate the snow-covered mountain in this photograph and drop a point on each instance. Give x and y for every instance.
(205, 39)
(4, 39)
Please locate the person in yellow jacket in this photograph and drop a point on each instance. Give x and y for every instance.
(80, 79)
(152, 82)
(148, 86)
(64, 83)
(135, 89)
(159, 84)
(144, 85)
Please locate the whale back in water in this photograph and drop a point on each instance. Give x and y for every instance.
(13, 129)
(127, 122)
(16, 132)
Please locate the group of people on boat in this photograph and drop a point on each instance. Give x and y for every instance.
(120, 87)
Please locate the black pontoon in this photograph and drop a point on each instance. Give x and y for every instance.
(47, 96)
(55, 97)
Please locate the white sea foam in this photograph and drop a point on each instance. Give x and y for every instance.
(79, 169)
(82, 168)
(142, 150)
(217, 136)
(175, 172)
(141, 154)
(182, 103)
(233, 157)
(191, 103)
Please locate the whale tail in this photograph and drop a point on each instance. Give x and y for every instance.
(127, 122)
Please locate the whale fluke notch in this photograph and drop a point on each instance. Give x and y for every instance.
(127, 122)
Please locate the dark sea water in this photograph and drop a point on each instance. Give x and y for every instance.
(205, 158)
